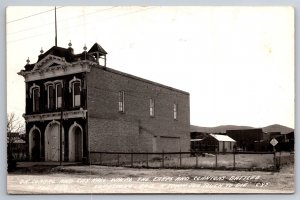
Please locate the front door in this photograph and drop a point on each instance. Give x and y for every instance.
(75, 144)
(35, 145)
(53, 143)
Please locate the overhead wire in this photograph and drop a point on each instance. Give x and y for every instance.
(33, 15)
(132, 93)
(61, 20)
(82, 24)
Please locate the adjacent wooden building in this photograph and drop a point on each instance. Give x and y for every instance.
(212, 143)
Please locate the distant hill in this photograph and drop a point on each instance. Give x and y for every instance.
(223, 128)
(278, 128)
(217, 129)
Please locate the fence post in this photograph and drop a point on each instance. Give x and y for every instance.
(131, 159)
(216, 157)
(163, 159)
(196, 160)
(100, 158)
(180, 159)
(147, 160)
(274, 161)
(233, 159)
(118, 160)
(279, 159)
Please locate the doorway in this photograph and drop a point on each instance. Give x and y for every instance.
(52, 142)
(75, 143)
(35, 145)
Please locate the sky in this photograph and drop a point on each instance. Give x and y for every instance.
(237, 63)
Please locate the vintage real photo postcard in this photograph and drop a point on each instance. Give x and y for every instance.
(150, 99)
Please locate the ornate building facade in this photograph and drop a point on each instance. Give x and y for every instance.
(77, 104)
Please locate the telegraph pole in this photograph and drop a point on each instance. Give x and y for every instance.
(55, 28)
(61, 123)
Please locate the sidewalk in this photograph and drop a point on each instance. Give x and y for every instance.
(40, 167)
(32, 164)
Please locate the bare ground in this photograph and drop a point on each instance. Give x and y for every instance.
(100, 180)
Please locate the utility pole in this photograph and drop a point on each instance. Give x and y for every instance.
(61, 123)
(55, 28)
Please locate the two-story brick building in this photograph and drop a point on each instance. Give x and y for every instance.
(98, 108)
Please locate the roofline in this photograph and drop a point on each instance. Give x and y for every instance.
(144, 80)
(245, 129)
(231, 140)
(124, 74)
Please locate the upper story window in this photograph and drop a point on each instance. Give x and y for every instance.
(54, 94)
(51, 96)
(58, 95)
(152, 106)
(75, 88)
(121, 101)
(175, 110)
(76, 93)
(36, 99)
(35, 95)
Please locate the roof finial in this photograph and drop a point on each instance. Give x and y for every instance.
(84, 48)
(28, 61)
(70, 44)
(42, 51)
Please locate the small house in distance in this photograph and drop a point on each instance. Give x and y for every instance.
(246, 138)
(222, 143)
(16, 145)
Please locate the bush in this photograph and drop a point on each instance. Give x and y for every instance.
(11, 166)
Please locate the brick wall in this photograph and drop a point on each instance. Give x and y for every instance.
(136, 130)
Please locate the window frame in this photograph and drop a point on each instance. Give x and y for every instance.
(34, 100)
(56, 96)
(54, 85)
(48, 96)
(71, 90)
(175, 111)
(73, 93)
(151, 107)
(33, 88)
(121, 101)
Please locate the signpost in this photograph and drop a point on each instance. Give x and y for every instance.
(274, 142)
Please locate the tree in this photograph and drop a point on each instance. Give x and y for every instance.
(14, 128)
(14, 123)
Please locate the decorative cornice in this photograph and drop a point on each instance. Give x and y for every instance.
(53, 83)
(48, 61)
(56, 115)
(58, 70)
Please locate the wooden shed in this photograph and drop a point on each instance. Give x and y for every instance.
(222, 143)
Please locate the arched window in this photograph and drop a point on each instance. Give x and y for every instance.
(76, 93)
(58, 95)
(75, 89)
(54, 94)
(51, 96)
(35, 95)
(36, 99)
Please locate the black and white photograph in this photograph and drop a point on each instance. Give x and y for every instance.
(150, 99)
